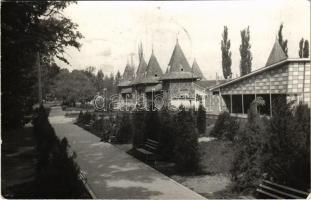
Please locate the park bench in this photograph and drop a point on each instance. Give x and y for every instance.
(268, 189)
(89, 125)
(149, 150)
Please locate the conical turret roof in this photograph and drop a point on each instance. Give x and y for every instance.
(277, 54)
(196, 70)
(141, 71)
(178, 67)
(128, 73)
(178, 61)
(153, 71)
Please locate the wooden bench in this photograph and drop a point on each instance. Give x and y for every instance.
(149, 150)
(277, 191)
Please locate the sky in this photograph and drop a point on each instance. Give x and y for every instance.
(113, 30)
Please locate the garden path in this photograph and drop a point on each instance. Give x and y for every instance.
(112, 173)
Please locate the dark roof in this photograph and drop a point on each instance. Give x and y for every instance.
(178, 60)
(276, 55)
(141, 71)
(128, 73)
(196, 70)
(178, 67)
(153, 71)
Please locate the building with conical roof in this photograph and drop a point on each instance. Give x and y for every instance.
(179, 81)
(197, 71)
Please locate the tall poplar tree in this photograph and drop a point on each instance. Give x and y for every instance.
(246, 55)
(300, 53)
(306, 49)
(282, 42)
(226, 54)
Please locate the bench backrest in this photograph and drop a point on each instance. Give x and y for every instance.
(151, 145)
(277, 191)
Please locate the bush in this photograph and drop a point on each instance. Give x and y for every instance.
(152, 125)
(125, 133)
(249, 143)
(288, 158)
(186, 154)
(57, 173)
(139, 129)
(201, 119)
(226, 127)
(167, 136)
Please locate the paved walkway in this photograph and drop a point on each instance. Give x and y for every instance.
(112, 173)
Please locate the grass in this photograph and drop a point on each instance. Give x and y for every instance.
(216, 156)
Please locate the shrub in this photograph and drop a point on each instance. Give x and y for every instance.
(57, 173)
(288, 159)
(87, 117)
(125, 133)
(152, 125)
(139, 129)
(247, 166)
(226, 127)
(201, 119)
(80, 117)
(167, 136)
(186, 155)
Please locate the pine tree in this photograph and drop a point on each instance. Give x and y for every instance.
(306, 49)
(300, 53)
(167, 135)
(201, 119)
(186, 155)
(139, 129)
(282, 42)
(247, 166)
(246, 55)
(226, 54)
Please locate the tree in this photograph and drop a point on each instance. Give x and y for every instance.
(246, 55)
(282, 42)
(152, 125)
(73, 87)
(306, 49)
(300, 53)
(138, 128)
(201, 119)
(117, 81)
(167, 135)
(99, 81)
(247, 167)
(288, 157)
(186, 154)
(226, 54)
(28, 28)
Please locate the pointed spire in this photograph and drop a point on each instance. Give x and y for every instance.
(196, 70)
(277, 54)
(140, 51)
(178, 61)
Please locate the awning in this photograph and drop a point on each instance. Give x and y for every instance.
(126, 90)
(154, 88)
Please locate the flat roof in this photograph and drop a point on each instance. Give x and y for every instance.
(260, 70)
